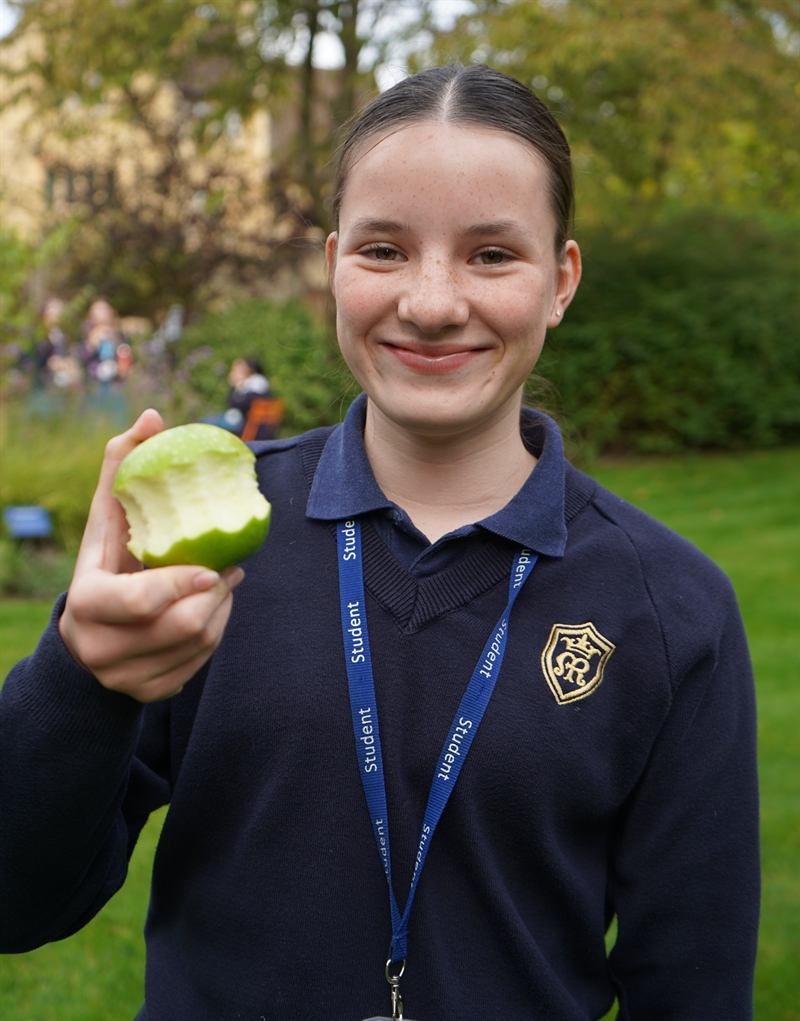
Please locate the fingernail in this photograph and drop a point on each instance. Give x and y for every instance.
(234, 576)
(205, 579)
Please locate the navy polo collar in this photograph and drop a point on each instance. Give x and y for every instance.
(345, 487)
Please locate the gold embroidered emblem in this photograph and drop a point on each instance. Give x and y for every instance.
(574, 659)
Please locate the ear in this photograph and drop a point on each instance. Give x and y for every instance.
(568, 276)
(330, 258)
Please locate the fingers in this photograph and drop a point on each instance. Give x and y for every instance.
(118, 447)
(155, 677)
(147, 634)
(137, 598)
(107, 528)
(144, 633)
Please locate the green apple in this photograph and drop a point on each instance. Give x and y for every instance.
(191, 497)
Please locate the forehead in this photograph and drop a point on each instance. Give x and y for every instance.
(467, 167)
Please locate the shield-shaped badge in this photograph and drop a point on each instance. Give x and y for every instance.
(574, 659)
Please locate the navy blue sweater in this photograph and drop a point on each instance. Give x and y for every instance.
(600, 782)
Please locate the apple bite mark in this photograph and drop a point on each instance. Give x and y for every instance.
(191, 497)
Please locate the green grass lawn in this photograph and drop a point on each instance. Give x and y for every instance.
(740, 509)
(21, 623)
(744, 512)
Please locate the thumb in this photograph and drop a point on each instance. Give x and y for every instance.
(106, 533)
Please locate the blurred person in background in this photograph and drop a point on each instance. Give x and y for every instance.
(248, 382)
(102, 338)
(53, 342)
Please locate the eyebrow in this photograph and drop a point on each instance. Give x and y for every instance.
(367, 226)
(509, 228)
(486, 230)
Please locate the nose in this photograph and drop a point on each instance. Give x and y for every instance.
(433, 299)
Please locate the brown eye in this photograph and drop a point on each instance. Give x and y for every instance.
(385, 254)
(493, 257)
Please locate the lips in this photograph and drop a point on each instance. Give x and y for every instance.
(433, 359)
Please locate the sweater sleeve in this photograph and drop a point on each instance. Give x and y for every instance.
(74, 797)
(684, 874)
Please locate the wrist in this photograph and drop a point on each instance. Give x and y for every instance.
(64, 630)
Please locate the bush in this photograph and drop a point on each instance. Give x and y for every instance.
(34, 571)
(20, 261)
(53, 462)
(683, 334)
(302, 362)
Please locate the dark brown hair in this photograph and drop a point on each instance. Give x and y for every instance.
(468, 95)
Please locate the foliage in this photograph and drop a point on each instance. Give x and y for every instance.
(123, 98)
(53, 462)
(301, 361)
(19, 261)
(54, 459)
(683, 333)
(155, 115)
(693, 101)
(34, 571)
(742, 511)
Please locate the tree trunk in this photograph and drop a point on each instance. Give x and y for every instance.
(308, 161)
(348, 15)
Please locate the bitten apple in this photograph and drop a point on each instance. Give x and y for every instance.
(191, 497)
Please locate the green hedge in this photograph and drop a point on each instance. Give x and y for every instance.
(682, 334)
(54, 462)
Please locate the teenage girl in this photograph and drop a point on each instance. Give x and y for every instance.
(465, 706)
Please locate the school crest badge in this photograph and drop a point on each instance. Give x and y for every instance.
(574, 659)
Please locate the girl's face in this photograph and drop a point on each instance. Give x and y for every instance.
(445, 274)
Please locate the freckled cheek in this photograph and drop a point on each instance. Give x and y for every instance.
(516, 317)
(361, 301)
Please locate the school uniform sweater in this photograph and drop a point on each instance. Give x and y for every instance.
(613, 772)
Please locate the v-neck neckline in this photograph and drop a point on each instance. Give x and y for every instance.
(415, 603)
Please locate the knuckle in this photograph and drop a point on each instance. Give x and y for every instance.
(112, 450)
(208, 637)
(187, 621)
(79, 600)
(96, 657)
(137, 601)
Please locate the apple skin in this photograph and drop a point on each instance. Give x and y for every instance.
(174, 447)
(215, 549)
(176, 468)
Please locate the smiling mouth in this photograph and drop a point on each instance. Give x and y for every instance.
(434, 359)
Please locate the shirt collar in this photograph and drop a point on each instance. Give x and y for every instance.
(345, 487)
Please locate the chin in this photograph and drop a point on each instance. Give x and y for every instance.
(436, 414)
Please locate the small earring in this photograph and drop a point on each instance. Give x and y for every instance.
(558, 311)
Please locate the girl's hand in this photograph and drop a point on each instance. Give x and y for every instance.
(144, 633)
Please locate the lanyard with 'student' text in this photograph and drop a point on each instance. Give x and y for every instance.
(365, 725)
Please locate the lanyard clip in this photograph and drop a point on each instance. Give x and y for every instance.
(393, 978)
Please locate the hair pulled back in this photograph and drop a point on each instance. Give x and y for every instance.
(468, 95)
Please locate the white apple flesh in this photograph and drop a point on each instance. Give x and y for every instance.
(191, 497)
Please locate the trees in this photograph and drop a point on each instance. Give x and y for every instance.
(682, 117)
(665, 104)
(689, 102)
(151, 116)
(670, 106)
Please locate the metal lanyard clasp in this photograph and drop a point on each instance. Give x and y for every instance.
(393, 978)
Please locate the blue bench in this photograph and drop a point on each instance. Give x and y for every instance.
(27, 522)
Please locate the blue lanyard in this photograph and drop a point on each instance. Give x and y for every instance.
(365, 715)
